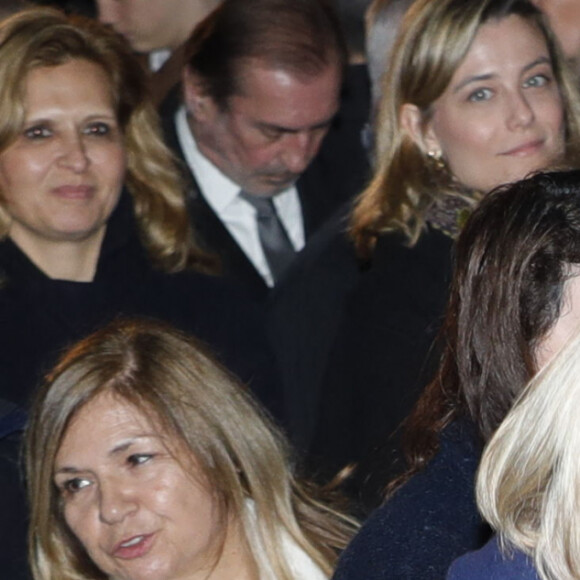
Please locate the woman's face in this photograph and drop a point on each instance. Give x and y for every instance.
(139, 511)
(566, 326)
(501, 117)
(62, 177)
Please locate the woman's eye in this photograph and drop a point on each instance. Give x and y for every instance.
(98, 129)
(37, 132)
(539, 80)
(139, 458)
(480, 95)
(75, 485)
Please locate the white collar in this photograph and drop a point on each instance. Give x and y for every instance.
(218, 189)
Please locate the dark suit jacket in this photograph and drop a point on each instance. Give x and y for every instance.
(383, 356)
(319, 192)
(304, 308)
(336, 175)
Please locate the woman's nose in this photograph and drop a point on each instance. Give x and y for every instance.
(116, 501)
(520, 112)
(74, 155)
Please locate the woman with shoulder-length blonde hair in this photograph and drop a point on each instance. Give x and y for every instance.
(93, 218)
(143, 454)
(477, 94)
(93, 221)
(528, 483)
(421, 162)
(38, 39)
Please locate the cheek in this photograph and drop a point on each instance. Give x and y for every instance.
(462, 135)
(80, 523)
(551, 114)
(261, 157)
(111, 162)
(465, 147)
(20, 172)
(248, 147)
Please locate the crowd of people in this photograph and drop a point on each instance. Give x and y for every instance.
(289, 289)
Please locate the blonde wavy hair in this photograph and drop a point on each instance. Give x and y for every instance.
(43, 37)
(528, 484)
(172, 379)
(434, 39)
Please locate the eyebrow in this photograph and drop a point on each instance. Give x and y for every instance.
(282, 129)
(116, 450)
(485, 77)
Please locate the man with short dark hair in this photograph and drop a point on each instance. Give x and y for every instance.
(261, 89)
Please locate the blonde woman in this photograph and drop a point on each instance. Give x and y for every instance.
(477, 94)
(93, 219)
(529, 480)
(145, 458)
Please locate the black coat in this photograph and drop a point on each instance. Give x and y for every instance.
(427, 523)
(40, 317)
(382, 357)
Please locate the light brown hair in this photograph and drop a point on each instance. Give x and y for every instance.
(172, 378)
(434, 40)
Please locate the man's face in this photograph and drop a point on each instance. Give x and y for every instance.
(154, 24)
(268, 134)
(564, 17)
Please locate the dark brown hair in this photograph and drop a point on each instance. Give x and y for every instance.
(512, 261)
(302, 36)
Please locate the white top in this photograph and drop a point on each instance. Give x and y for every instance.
(238, 215)
(157, 58)
(301, 564)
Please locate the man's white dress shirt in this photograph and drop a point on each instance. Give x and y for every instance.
(238, 215)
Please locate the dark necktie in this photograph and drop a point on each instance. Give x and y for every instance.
(276, 244)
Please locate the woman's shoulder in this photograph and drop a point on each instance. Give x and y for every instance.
(426, 524)
(493, 563)
(431, 242)
(396, 264)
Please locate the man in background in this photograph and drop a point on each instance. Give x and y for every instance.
(261, 88)
(564, 18)
(157, 29)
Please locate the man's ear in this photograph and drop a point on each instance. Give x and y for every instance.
(198, 103)
(422, 133)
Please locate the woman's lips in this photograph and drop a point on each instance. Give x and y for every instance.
(74, 191)
(525, 149)
(134, 547)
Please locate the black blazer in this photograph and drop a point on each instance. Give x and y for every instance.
(383, 355)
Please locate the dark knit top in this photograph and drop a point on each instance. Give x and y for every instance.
(427, 523)
(490, 563)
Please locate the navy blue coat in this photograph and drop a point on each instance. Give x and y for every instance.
(428, 523)
(490, 563)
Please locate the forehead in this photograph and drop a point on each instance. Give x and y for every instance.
(145, 10)
(508, 42)
(285, 98)
(103, 423)
(88, 77)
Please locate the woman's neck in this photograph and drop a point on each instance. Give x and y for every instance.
(235, 560)
(74, 260)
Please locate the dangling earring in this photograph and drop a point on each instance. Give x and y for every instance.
(436, 159)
